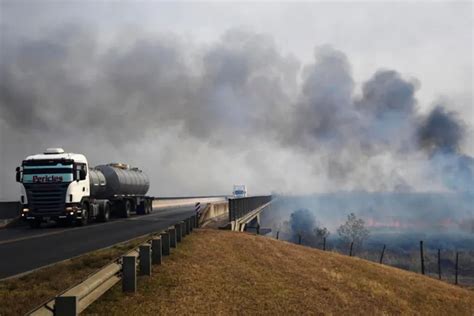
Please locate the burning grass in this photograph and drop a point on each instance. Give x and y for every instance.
(20, 295)
(221, 272)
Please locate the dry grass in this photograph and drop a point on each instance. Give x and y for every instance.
(20, 295)
(221, 272)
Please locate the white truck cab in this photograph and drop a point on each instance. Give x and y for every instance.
(240, 191)
(53, 185)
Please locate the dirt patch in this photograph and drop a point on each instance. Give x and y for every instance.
(222, 272)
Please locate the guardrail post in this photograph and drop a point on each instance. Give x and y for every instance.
(172, 232)
(186, 226)
(165, 243)
(193, 221)
(145, 260)
(190, 221)
(129, 274)
(179, 235)
(65, 306)
(183, 228)
(156, 250)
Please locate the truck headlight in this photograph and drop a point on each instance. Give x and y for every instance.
(26, 210)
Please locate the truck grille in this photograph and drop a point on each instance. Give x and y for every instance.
(46, 198)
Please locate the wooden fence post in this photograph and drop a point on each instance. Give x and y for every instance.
(457, 268)
(324, 243)
(439, 263)
(422, 258)
(381, 255)
(278, 233)
(350, 250)
(299, 239)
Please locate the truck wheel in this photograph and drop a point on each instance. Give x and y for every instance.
(133, 206)
(126, 208)
(141, 208)
(105, 216)
(84, 217)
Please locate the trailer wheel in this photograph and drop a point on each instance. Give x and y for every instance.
(105, 214)
(141, 208)
(133, 206)
(126, 208)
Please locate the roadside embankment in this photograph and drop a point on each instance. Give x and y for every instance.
(222, 272)
(21, 294)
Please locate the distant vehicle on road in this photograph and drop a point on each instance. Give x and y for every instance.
(240, 191)
(62, 187)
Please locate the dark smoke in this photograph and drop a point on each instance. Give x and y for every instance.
(441, 131)
(239, 97)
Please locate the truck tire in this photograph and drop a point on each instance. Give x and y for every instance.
(84, 216)
(141, 208)
(105, 213)
(126, 209)
(133, 206)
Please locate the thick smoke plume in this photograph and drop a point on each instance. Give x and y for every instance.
(238, 109)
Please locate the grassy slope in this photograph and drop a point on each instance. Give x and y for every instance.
(221, 272)
(20, 295)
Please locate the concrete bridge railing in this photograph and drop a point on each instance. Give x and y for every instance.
(242, 211)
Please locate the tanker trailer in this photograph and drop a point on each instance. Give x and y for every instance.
(61, 187)
(124, 188)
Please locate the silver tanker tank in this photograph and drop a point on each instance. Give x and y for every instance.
(115, 179)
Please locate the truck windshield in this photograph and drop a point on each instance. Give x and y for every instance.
(47, 173)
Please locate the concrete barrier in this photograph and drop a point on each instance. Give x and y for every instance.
(9, 211)
(213, 211)
(164, 203)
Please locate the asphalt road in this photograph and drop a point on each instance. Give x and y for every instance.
(23, 249)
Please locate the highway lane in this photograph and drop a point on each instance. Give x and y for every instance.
(23, 249)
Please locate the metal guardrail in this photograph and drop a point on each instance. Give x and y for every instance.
(239, 207)
(77, 298)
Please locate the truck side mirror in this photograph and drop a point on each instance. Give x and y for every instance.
(18, 174)
(82, 174)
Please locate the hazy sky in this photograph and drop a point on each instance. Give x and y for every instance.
(429, 40)
(428, 43)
